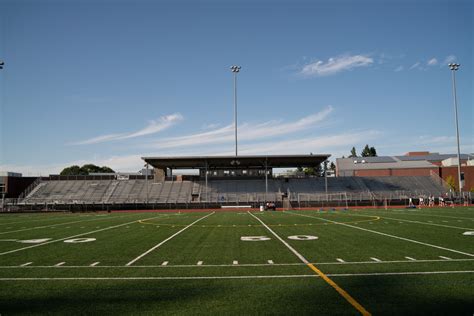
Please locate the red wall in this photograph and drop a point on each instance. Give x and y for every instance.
(445, 172)
(396, 172)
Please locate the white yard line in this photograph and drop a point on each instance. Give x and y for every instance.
(26, 264)
(376, 260)
(53, 225)
(94, 264)
(165, 264)
(416, 222)
(74, 236)
(410, 258)
(387, 235)
(59, 264)
(340, 260)
(235, 276)
(424, 214)
(445, 258)
(336, 287)
(167, 239)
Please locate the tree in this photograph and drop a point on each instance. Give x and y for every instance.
(353, 153)
(368, 152)
(72, 171)
(332, 166)
(451, 183)
(85, 170)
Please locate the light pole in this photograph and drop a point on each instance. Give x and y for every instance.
(146, 183)
(235, 70)
(454, 67)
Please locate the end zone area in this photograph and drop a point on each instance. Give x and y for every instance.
(395, 261)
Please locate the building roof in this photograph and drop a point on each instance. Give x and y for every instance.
(228, 162)
(344, 164)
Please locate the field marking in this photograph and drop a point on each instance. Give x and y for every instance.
(376, 260)
(388, 235)
(59, 264)
(340, 260)
(445, 258)
(26, 264)
(278, 276)
(61, 239)
(424, 214)
(167, 239)
(53, 225)
(94, 264)
(341, 291)
(410, 258)
(165, 264)
(417, 222)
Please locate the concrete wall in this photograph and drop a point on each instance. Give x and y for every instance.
(395, 172)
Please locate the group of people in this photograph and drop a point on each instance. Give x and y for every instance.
(430, 201)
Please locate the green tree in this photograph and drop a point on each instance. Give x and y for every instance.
(72, 171)
(85, 170)
(353, 153)
(368, 152)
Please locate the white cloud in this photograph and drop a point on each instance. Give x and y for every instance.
(415, 65)
(449, 59)
(432, 62)
(153, 127)
(399, 68)
(246, 131)
(335, 65)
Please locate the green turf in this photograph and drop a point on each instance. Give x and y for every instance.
(235, 276)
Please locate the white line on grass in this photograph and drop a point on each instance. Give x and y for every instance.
(336, 287)
(376, 260)
(59, 264)
(445, 258)
(340, 260)
(167, 239)
(387, 235)
(165, 264)
(53, 225)
(94, 264)
(410, 258)
(70, 237)
(235, 276)
(26, 264)
(416, 222)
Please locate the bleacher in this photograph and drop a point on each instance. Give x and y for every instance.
(228, 191)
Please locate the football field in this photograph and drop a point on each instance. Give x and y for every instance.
(344, 262)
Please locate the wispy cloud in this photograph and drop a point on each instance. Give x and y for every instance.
(399, 68)
(153, 127)
(247, 131)
(449, 59)
(432, 62)
(415, 65)
(335, 65)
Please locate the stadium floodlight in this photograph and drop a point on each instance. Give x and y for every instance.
(235, 69)
(454, 67)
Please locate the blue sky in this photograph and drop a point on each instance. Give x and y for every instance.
(107, 82)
